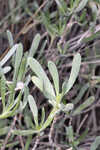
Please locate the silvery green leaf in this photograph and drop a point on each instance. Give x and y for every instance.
(38, 70)
(54, 73)
(33, 108)
(3, 90)
(9, 54)
(74, 73)
(18, 58)
(87, 103)
(70, 133)
(10, 38)
(6, 69)
(38, 82)
(82, 4)
(22, 69)
(66, 108)
(34, 45)
(42, 116)
(96, 144)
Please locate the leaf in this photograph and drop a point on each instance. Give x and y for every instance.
(49, 119)
(6, 69)
(81, 93)
(34, 45)
(37, 69)
(74, 73)
(9, 54)
(33, 108)
(24, 132)
(82, 4)
(42, 117)
(10, 38)
(18, 58)
(95, 144)
(54, 73)
(22, 69)
(38, 82)
(87, 103)
(3, 90)
(4, 131)
(25, 99)
(61, 5)
(70, 133)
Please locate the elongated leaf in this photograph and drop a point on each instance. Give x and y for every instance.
(81, 93)
(74, 73)
(9, 54)
(25, 99)
(37, 69)
(87, 103)
(38, 82)
(54, 73)
(33, 108)
(61, 5)
(3, 90)
(10, 38)
(34, 45)
(18, 58)
(6, 69)
(4, 130)
(22, 69)
(42, 117)
(24, 132)
(70, 133)
(49, 119)
(96, 144)
(82, 4)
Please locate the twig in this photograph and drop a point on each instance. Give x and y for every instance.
(52, 132)
(36, 143)
(9, 134)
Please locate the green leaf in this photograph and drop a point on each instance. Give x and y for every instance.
(3, 90)
(70, 133)
(6, 69)
(37, 69)
(96, 144)
(22, 69)
(10, 38)
(74, 73)
(42, 116)
(87, 103)
(24, 132)
(25, 99)
(61, 5)
(54, 73)
(18, 58)
(38, 82)
(33, 108)
(82, 4)
(81, 93)
(4, 131)
(9, 54)
(49, 119)
(34, 45)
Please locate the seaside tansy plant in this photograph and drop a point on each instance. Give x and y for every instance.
(52, 93)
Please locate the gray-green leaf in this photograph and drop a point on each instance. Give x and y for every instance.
(96, 144)
(54, 73)
(33, 108)
(87, 103)
(74, 73)
(38, 70)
